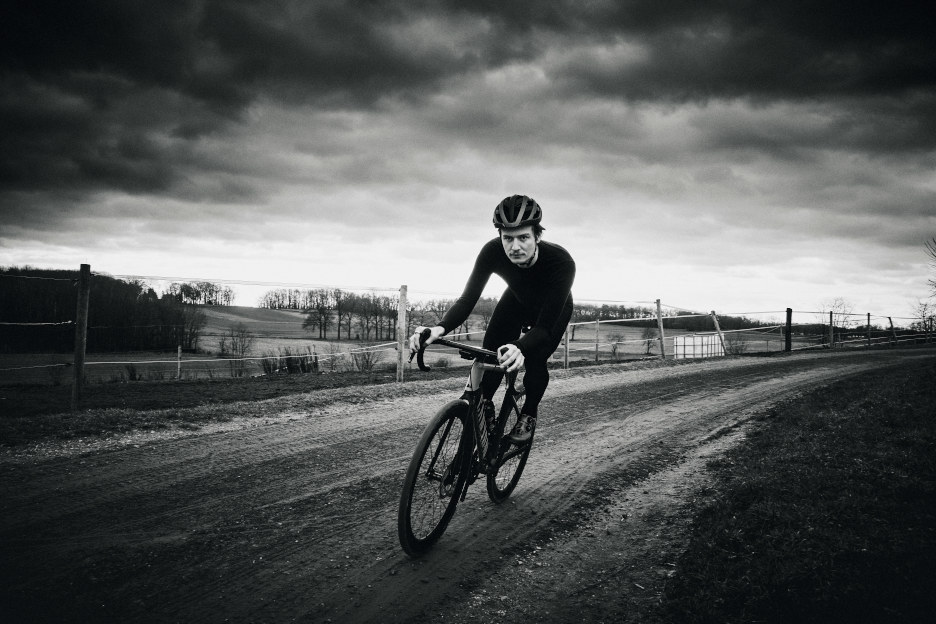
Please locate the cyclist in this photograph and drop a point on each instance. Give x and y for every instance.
(538, 299)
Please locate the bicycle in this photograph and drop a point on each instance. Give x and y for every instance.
(456, 447)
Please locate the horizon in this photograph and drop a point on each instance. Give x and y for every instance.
(240, 289)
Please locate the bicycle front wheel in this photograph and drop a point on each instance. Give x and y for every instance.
(435, 479)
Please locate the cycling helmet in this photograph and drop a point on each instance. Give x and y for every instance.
(516, 211)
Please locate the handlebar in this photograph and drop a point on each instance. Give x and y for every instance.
(487, 357)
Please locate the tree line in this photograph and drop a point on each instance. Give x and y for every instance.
(365, 316)
(38, 307)
(368, 316)
(372, 316)
(204, 293)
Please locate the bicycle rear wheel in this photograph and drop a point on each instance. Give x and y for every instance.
(435, 479)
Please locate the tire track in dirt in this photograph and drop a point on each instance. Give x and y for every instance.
(297, 519)
(569, 454)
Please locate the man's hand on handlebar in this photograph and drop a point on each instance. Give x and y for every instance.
(434, 332)
(510, 357)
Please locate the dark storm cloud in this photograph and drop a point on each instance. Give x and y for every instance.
(111, 94)
(117, 95)
(736, 48)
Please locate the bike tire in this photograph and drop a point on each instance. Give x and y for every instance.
(435, 478)
(502, 481)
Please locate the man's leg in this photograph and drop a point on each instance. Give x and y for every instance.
(536, 378)
(504, 327)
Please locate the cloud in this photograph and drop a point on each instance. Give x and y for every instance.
(727, 135)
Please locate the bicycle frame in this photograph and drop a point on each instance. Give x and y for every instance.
(487, 436)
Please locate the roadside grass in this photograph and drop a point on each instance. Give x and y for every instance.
(826, 514)
(33, 413)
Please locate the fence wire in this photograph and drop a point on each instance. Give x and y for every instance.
(614, 339)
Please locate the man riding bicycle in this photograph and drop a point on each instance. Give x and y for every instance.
(538, 299)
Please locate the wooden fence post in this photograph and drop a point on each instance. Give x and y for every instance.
(721, 336)
(660, 327)
(401, 333)
(565, 363)
(179, 364)
(788, 346)
(893, 332)
(831, 331)
(597, 328)
(81, 332)
(869, 330)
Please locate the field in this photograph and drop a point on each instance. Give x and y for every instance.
(656, 492)
(277, 333)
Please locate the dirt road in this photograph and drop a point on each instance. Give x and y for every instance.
(293, 517)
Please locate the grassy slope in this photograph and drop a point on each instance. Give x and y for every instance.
(826, 514)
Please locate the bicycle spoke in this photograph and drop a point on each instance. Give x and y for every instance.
(434, 480)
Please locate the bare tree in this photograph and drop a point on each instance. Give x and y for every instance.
(841, 310)
(236, 345)
(416, 316)
(436, 309)
(734, 344)
(925, 313)
(485, 309)
(344, 309)
(195, 320)
(365, 316)
(319, 313)
(931, 252)
(366, 358)
(616, 339)
(649, 337)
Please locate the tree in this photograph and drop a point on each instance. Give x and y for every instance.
(649, 337)
(415, 317)
(841, 310)
(925, 313)
(931, 252)
(236, 345)
(581, 313)
(365, 315)
(485, 309)
(436, 309)
(122, 315)
(321, 303)
(205, 293)
(194, 321)
(345, 309)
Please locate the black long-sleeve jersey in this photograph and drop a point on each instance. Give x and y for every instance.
(544, 289)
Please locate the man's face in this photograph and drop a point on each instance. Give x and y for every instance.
(519, 244)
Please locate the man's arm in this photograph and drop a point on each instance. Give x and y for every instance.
(461, 309)
(549, 314)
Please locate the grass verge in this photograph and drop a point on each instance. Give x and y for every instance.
(826, 514)
(33, 413)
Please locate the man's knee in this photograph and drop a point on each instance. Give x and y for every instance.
(536, 373)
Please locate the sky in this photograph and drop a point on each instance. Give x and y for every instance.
(730, 156)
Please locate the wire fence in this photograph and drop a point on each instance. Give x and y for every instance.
(245, 341)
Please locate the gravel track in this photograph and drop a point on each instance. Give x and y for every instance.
(292, 517)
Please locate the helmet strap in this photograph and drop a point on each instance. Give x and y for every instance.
(531, 261)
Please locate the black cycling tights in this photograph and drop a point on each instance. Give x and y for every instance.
(507, 322)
